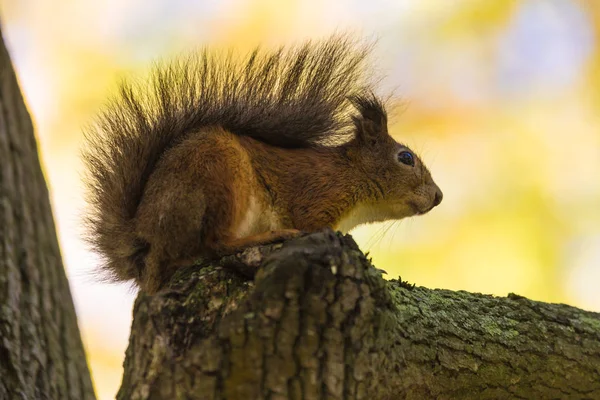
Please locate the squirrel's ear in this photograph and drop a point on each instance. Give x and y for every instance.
(371, 123)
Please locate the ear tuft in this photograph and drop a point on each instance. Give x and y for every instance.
(371, 122)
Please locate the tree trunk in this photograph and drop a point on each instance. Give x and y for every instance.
(41, 353)
(319, 322)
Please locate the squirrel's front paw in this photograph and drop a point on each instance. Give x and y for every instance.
(284, 234)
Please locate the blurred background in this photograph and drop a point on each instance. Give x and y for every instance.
(500, 97)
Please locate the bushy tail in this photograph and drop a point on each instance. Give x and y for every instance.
(294, 97)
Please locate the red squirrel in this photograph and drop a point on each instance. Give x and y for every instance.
(215, 153)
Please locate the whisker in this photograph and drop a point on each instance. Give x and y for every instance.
(377, 236)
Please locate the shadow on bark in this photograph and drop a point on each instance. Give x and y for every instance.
(320, 322)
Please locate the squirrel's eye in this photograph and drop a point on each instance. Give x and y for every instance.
(406, 157)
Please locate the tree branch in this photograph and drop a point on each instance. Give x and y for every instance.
(320, 322)
(41, 353)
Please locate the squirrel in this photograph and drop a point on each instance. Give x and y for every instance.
(215, 153)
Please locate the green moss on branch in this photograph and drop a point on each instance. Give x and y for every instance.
(319, 321)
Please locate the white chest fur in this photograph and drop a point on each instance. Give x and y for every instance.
(258, 218)
(363, 214)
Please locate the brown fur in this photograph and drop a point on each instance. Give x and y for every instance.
(192, 179)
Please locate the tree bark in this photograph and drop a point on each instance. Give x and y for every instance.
(41, 353)
(320, 322)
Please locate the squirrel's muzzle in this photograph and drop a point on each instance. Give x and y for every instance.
(438, 197)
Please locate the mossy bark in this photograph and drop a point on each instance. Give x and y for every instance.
(41, 353)
(320, 322)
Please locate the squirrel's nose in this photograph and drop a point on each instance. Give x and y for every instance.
(438, 197)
